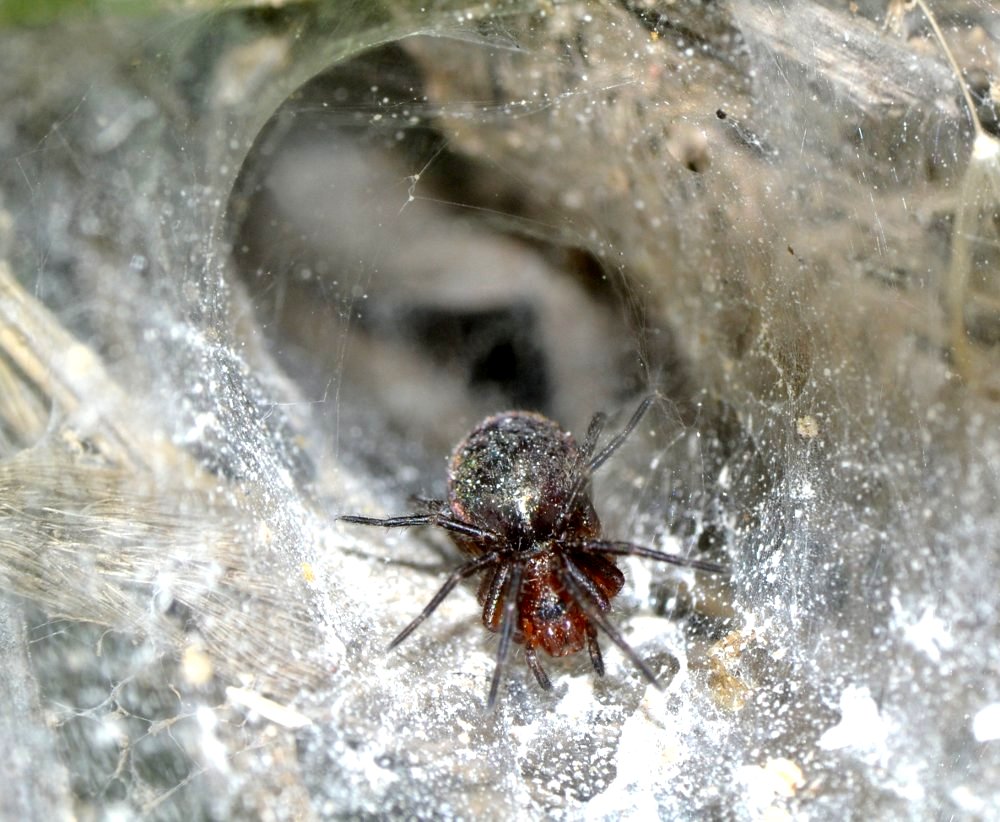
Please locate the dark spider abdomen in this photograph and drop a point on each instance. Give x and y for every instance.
(513, 475)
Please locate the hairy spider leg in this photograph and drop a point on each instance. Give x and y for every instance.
(507, 624)
(440, 520)
(532, 659)
(577, 581)
(491, 603)
(494, 595)
(502, 590)
(598, 546)
(457, 576)
(595, 593)
(594, 430)
(590, 443)
(595, 650)
(619, 438)
(588, 585)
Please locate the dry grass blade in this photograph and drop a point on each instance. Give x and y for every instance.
(105, 523)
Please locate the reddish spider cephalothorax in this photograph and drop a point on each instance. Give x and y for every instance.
(519, 505)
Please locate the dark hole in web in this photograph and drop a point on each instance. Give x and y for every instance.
(497, 347)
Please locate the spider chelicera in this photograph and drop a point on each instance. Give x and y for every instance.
(519, 505)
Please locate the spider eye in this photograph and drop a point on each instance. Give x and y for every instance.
(550, 610)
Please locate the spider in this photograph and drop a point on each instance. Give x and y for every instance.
(519, 506)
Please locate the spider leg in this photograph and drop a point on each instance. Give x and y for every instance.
(616, 442)
(599, 546)
(440, 520)
(588, 585)
(574, 578)
(590, 443)
(389, 522)
(457, 576)
(494, 597)
(532, 659)
(595, 650)
(593, 434)
(507, 624)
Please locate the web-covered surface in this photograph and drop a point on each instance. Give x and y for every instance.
(260, 267)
